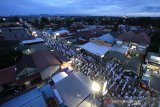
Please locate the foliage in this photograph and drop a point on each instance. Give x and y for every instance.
(155, 43)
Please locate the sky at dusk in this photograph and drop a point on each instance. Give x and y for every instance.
(82, 7)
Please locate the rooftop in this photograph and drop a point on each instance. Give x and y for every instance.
(118, 55)
(15, 34)
(154, 82)
(107, 38)
(133, 64)
(140, 38)
(32, 98)
(76, 93)
(30, 49)
(7, 75)
(100, 50)
(36, 62)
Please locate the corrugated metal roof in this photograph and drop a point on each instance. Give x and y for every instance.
(107, 38)
(19, 34)
(39, 60)
(100, 50)
(74, 89)
(154, 82)
(33, 98)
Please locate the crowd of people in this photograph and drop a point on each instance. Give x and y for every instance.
(119, 85)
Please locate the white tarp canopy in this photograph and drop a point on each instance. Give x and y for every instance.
(100, 50)
(59, 76)
(94, 48)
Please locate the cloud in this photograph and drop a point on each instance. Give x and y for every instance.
(89, 7)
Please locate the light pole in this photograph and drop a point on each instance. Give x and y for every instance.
(96, 89)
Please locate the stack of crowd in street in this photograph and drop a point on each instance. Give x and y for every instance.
(118, 84)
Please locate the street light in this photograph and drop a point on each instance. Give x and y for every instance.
(102, 56)
(57, 34)
(95, 87)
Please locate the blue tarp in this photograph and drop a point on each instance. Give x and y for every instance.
(107, 38)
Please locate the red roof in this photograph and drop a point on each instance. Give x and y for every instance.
(143, 38)
(140, 38)
(7, 75)
(44, 59)
(127, 36)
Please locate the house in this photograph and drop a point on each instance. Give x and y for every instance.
(137, 50)
(154, 82)
(39, 65)
(142, 38)
(16, 33)
(127, 36)
(7, 75)
(122, 28)
(103, 44)
(87, 28)
(32, 98)
(87, 34)
(75, 91)
(133, 65)
(32, 48)
(105, 39)
(114, 54)
(153, 61)
(137, 43)
(134, 28)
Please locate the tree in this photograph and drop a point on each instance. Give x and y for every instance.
(69, 22)
(14, 19)
(8, 56)
(44, 20)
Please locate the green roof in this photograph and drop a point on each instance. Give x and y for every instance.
(133, 64)
(118, 55)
